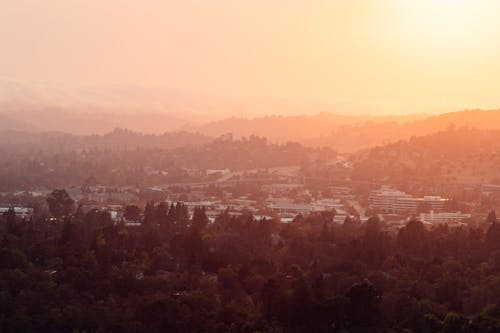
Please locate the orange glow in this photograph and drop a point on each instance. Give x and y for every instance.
(378, 56)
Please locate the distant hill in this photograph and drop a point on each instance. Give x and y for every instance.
(480, 119)
(100, 109)
(93, 122)
(340, 132)
(302, 127)
(119, 139)
(353, 137)
(351, 133)
(8, 123)
(461, 156)
(41, 107)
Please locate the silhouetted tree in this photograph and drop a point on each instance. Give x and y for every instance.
(363, 308)
(60, 203)
(200, 219)
(132, 213)
(493, 233)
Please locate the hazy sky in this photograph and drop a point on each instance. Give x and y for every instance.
(393, 55)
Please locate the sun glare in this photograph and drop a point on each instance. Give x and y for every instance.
(456, 25)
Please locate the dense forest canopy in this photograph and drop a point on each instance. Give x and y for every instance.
(80, 272)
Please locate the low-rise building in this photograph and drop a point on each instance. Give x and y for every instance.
(22, 212)
(443, 217)
(390, 200)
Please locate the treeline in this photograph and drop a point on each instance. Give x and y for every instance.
(80, 272)
(21, 170)
(118, 139)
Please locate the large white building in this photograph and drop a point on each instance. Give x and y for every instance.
(385, 198)
(388, 199)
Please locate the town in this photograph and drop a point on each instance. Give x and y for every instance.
(281, 193)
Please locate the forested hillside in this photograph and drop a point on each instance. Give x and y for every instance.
(462, 155)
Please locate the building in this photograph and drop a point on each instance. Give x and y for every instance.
(449, 218)
(22, 212)
(385, 198)
(390, 200)
(327, 205)
(410, 204)
(290, 208)
(490, 189)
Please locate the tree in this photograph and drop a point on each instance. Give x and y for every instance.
(493, 234)
(132, 213)
(10, 218)
(149, 214)
(161, 211)
(413, 238)
(372, 231)
(200, 219)
(60, 203)
(228, 279)
(372, 240)
(171, 213)
(68, 232)
(364, 303)
(492, 217)
(454, 323)
(181, 212)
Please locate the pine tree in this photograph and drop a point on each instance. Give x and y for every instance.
(200, 219)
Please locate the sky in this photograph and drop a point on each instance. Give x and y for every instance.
(383, 56)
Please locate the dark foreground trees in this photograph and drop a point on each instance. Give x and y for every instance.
(60, 203)
(83, 273)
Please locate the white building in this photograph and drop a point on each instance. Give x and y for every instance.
(437, 218)
(388, 199)
(327, 205)
(22, 212)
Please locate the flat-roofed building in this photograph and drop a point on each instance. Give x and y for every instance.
(386, 197)
(290, 208)
(390, 200)
(443, 217)
(22, 212)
